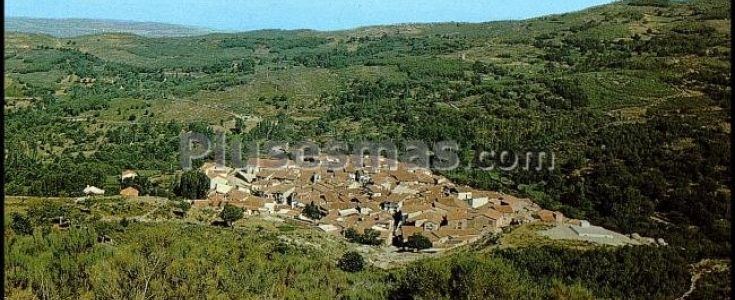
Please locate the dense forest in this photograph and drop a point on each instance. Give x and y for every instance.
(633, 98)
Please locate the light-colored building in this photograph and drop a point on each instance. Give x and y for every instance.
(128, 174)
(93, 190)
(477, 202)
(129, 192)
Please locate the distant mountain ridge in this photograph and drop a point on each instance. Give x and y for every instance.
(76, 27)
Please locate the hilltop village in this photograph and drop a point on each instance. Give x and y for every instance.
(394, 200)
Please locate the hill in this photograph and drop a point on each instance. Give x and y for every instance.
(633, 98)
(77, 27)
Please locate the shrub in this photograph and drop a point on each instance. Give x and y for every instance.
(312, 211)
(369, 237)
(21, 224)
(192, 185)
(351, 262)
(231, 213)
(418, 242)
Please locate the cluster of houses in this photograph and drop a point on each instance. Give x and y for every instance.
(392, 198)
(127, 192)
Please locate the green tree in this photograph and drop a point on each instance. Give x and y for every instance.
(370, 237)
(312, 211)
(21, 224)
(193, 184)
(231, 213)
(351, 234)
(351, 262)
(418, 242)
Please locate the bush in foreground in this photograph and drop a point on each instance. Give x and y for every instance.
(351, 262)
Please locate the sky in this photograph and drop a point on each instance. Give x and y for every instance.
(243, 15)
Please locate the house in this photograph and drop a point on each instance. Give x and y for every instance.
(374, 191)
(461, 192)
(60, 223)
(404, 189)
(329, 228)
(260, 164)
(128, 174)
(457, 219)
(269, 208)
(558, 217)
(348, 212)
(507, 210)
(236, 195)
(389, 206)
(216, 200)
(129, 192)
(223, 188)
(316, 177)
(550, 216)
(281, 193)
(217, 180)
(477, 202)
(424, 178)
(213, 170)
(546, 216)
(245, 175)
(404, 177)
(448, 236)
(464, 195)
(487, 219)
(237, 182)
(407, 231)
(289, 214)
(428, 221)
(450, 203)
(93, 190)
(413, 210)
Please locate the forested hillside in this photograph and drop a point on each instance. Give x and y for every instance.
(632, 97)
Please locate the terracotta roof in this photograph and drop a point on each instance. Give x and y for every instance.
(237, 195)
(323, 188)
(394, 198)
(339, 205)
(507, 209)
(285, 174)
(457, 215)
(253, 204)
(267, 163)
(426, 179)
(444, 232)
(431, 216)
(546, 215)
(407, 231)
(214, 197)
(200, 203)
(492, 214)
(375, 206)
(411, 208)
(331, 217)
(309, 197)
(452, 202)
(403, 176)
(350, 221)
(129, 192)
(279, 189)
